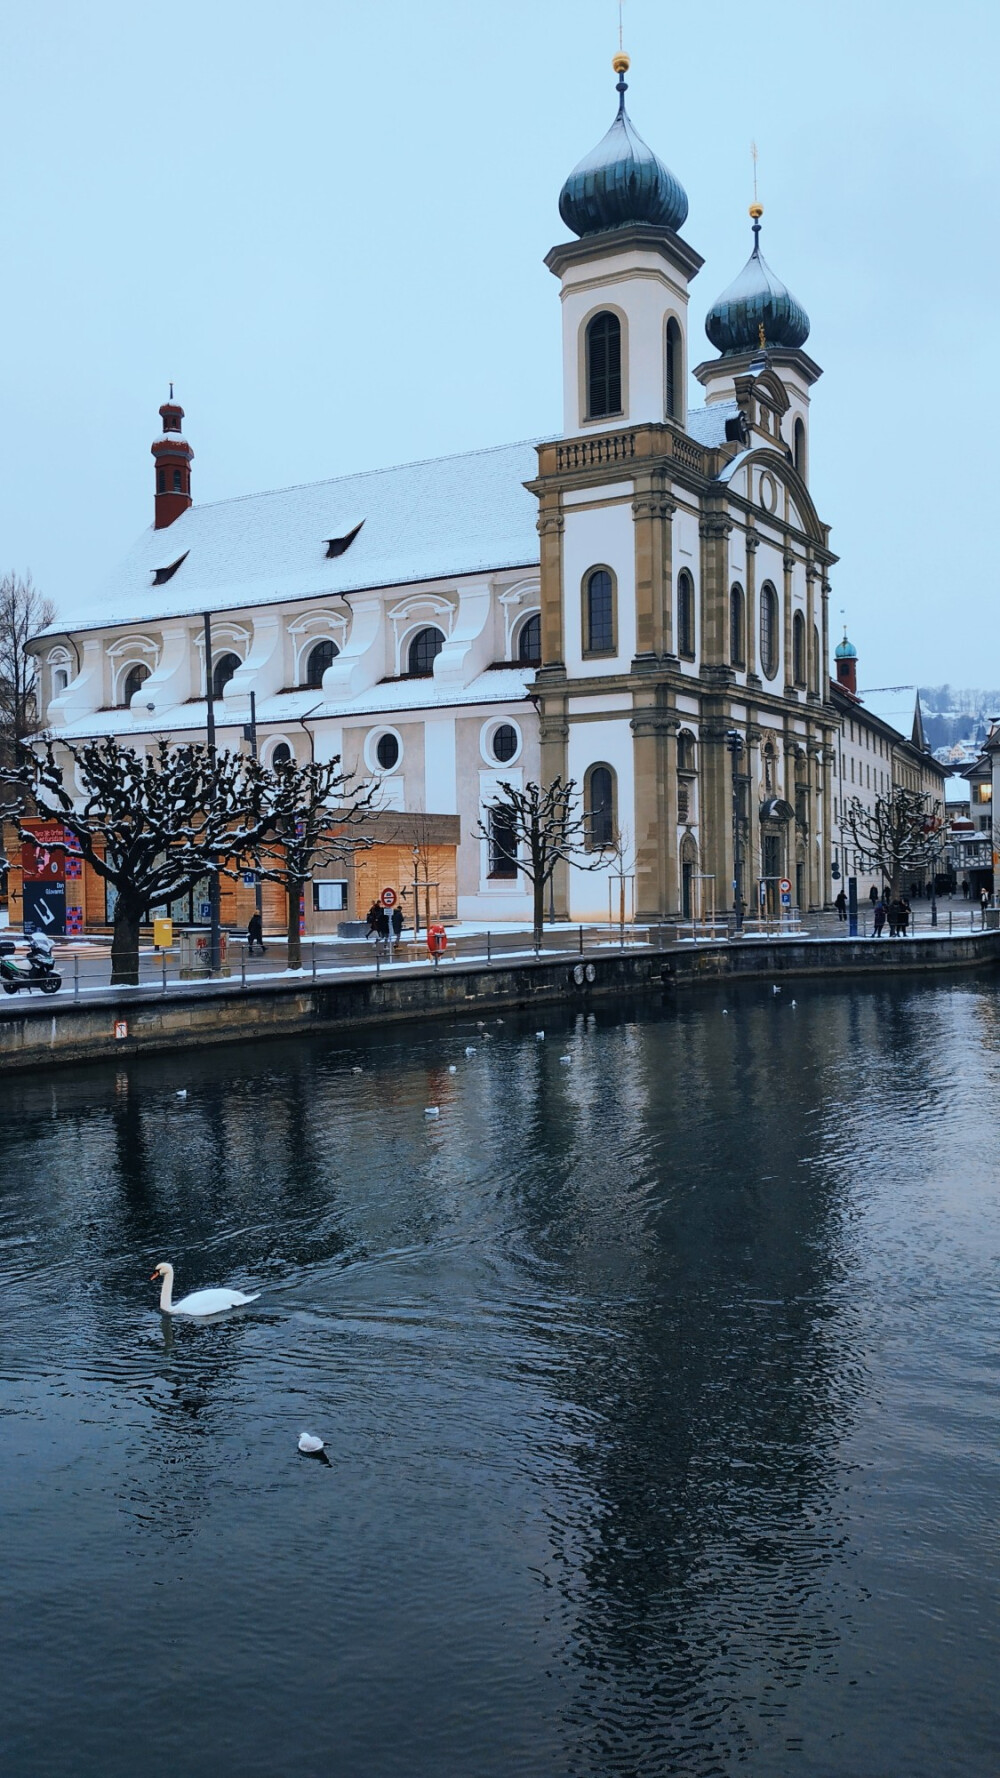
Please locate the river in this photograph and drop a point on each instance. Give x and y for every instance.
(659, 1390)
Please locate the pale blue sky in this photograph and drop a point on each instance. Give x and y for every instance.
(326, 221)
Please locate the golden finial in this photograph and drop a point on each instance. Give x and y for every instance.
(620, 63)
(756, 211)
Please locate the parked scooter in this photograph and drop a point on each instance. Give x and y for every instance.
(39, 970)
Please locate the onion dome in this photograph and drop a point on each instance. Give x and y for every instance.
(756, 310)
(845, 651)
(621, 181)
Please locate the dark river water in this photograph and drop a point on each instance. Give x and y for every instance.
(659, 1390)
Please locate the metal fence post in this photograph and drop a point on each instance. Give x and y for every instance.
(243, 966)
(163, 971)
(489, 951)
(581, 941)
(76, 976)
(314, 959)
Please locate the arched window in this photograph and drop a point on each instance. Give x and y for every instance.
(799, 448)
(424, 650)
(599, 613)
(674, 405)
(60, 680)
(685, 615)
(799, 648)
(225, 667)
(321, 656)
(135, 677)
(685, 751)
(604, 365)
(600, 808)
(768, 630)
(177, 482)
(737, 630)
(814, 664)
(282, 754)
(529, 642)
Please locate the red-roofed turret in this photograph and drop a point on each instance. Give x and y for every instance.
(173, 457)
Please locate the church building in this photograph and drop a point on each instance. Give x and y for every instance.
(638, 603)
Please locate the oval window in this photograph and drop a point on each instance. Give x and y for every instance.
(505, 740)
(387, 752)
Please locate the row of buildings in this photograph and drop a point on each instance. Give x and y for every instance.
(639, 603)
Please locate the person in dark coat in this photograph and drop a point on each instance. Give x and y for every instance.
(255, 934)
(373, 917)
(841, 906)
(382, 923)
(397, 924)
(905, 911)
(879, 912)
(873, 895)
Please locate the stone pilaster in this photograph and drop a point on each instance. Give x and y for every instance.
(654, 742)
(553, 736)
(652, 512)
(753, 545)
(714, 531)
(550, 524)
(788, 564)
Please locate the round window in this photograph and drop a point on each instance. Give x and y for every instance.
(505, 742)
(387, 752)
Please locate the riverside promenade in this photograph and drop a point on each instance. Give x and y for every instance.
(339, 989)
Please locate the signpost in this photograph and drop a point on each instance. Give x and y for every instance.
(388, 900)
(785, 891)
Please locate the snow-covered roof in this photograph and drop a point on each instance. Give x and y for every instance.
(956, 789)
(707, 425)
(396, 697)
(445, 517)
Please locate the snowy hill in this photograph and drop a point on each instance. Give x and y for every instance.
(956, 722)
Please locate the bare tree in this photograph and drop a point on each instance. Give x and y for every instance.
(897, 835)
(313, 814)
(535, 829)
(24, 611)
(150, 826)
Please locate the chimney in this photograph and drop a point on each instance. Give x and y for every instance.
(173, 457)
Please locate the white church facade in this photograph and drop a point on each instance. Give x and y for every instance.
(639, 603)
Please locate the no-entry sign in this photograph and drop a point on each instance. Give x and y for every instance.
(388, 898)
(785, 886)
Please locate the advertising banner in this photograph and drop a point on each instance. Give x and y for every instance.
(45, 909)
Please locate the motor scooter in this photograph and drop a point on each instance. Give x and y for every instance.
(39, 970)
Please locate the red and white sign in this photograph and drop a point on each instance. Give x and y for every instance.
(437, 940)
(784, 886)
(388, 898)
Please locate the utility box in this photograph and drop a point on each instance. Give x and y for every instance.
(195, 949)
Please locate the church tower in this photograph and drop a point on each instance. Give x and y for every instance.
(173, 456)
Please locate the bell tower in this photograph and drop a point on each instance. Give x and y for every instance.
(173, 456)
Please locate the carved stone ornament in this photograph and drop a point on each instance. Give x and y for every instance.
(788, 563)
(752, 541)
(715, 527)
(549, 521)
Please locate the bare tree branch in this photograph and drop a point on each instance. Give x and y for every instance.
(897, 835)
(24, 611)
(535, 829)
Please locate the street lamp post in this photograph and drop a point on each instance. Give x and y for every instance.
(734, 742)
(250, 733)
(214, 945)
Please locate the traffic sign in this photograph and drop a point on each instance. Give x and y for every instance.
(437, 940)
(785, 886)
(388, 898)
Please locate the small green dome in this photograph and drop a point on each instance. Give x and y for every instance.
(845, 651)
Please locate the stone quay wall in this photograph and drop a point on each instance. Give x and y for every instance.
(37, 1033)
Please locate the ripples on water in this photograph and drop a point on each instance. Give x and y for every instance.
(659, 1392)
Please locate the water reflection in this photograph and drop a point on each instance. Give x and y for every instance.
(635, 1375)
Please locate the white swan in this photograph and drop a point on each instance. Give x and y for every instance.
(202, 1302)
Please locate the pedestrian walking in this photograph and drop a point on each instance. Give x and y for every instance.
(984, 898)
(905, 914)
(965, 887)
(873, 896)
(255, 934)
(879, 912)
(373, 919)
(382, 923)
(397, 923)
(841, 906)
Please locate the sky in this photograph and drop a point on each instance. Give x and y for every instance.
(326, 223)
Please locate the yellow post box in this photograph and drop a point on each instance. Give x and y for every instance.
(163, 934)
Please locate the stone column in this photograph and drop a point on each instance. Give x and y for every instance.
(553, 735)
(753, 545)
(654, 732)
(652, 512)
(550, 524)
(714, 531)
(825, 638)
(816, 667)
(715, 811)
(788, 564)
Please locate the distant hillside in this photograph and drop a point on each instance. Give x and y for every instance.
(956, 722)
